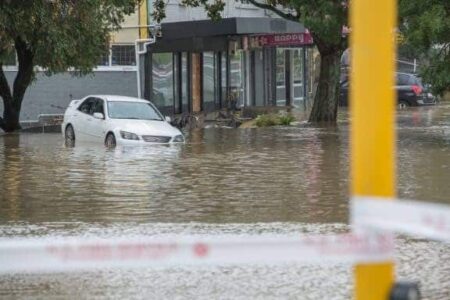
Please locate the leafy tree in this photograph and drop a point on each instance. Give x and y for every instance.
(55, 35)
(324, 18)
(426, 27)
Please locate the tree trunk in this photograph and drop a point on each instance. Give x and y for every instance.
(325, 105)
(11, 119)
(6, 122)
(12, 102)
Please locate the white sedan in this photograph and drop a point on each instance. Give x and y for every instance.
(117, 120)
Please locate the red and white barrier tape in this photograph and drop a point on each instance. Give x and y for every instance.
(37, 255)
(372, 219)
(429, 220)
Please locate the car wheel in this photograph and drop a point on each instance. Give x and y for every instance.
(69, 136)
(110, 141)
(402, 104)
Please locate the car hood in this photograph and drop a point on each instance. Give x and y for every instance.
(146, 127)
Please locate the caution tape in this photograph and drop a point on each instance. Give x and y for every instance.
(70, 254)
(428, 220)
(373, 221)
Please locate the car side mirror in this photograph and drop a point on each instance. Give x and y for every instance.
(168, 119)
(98, 115)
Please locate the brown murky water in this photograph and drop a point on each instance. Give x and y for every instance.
(248, 181)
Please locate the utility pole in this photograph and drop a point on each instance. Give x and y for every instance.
(372, 106)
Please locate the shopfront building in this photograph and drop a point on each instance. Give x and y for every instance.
(203, 66)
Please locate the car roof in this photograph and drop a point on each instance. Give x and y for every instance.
(119, 98)
(407, 74)
(401, 73)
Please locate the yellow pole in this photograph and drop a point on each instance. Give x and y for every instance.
(143, 20)
(372, 121)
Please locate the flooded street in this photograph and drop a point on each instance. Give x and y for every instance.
(283, 180)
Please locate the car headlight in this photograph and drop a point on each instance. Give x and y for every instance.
(128, 135)
(178, 139)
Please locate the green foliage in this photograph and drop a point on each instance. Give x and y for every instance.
(62, 34)
(426, 27)
(268, 120)
(325, 19)
(286, 120)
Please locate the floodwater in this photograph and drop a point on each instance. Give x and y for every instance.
(284, 180)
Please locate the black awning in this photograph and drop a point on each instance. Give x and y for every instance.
(207, 35)
(229, 26)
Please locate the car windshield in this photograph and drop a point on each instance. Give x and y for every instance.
(132, 110)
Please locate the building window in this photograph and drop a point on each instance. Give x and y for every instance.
(209, 81)
(123, 55)
(118, 56)
(223, 77)
(237, 88)
(298, 76)
(180, 82)
(280, 77)
(163, 85)
(184, 83)
(177, 82)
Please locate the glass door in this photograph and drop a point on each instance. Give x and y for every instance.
(298, 77)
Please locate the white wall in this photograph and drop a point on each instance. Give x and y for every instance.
(175, 12)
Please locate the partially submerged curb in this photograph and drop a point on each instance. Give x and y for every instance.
(43, 129)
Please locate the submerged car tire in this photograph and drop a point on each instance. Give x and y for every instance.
(402, 104)
(69, 136)
(110, 141)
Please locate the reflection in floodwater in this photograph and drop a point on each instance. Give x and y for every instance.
(11, 170)
(250, 181)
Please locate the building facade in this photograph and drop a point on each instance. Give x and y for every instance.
(202, 66)
(190, 69)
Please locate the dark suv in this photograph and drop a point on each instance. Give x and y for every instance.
(409, 88)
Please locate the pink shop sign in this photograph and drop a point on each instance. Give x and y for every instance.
(287, 39)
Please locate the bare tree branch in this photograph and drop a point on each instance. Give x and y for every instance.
(282, 14)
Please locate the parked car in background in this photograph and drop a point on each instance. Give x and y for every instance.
(409, 88)
(117, 120)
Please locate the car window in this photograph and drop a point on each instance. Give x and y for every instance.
(98, 107)
(132, 110)
(87, 106)
(411, 80)
(403, 79)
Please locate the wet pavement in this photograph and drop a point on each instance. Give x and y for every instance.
(282, 180)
